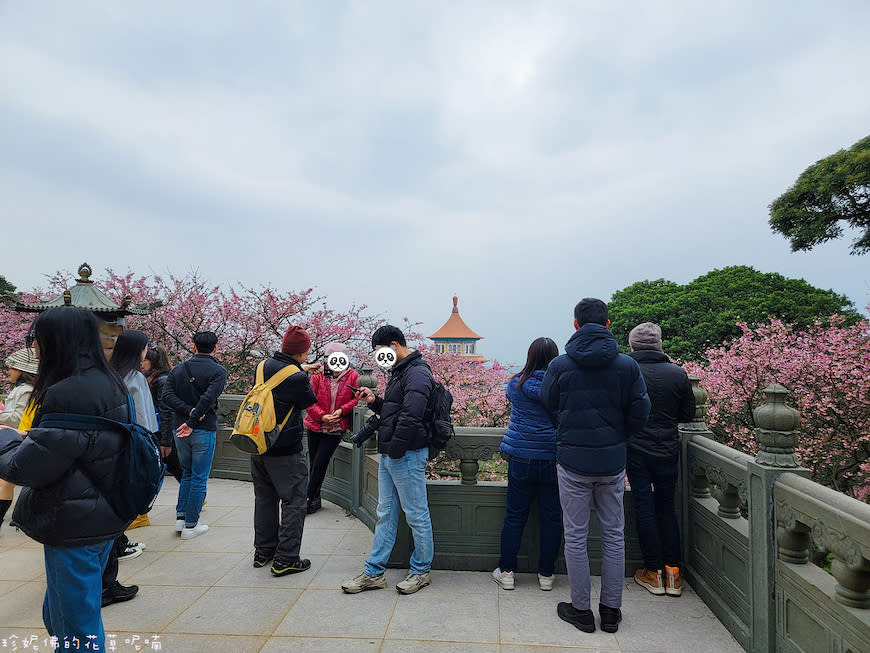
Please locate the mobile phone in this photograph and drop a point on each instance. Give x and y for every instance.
(353, 387)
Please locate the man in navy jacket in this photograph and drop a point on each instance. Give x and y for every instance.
(404, 448)
(599, 398)
(191, 391)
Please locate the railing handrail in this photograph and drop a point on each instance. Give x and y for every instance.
(813, 504)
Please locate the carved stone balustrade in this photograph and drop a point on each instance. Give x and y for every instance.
(471, 445)
(808, 512)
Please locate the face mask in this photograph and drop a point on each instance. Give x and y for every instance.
(337, 362)
(385, 357)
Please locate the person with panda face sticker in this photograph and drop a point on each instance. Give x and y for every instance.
(404, 448)
(328, 419)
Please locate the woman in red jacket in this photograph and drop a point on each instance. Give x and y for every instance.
(328, 419)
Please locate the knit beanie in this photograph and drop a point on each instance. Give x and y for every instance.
(296, 341)
(646, 336)
(333, 347)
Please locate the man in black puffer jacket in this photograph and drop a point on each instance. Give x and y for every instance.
(653, 461)
(404, 447)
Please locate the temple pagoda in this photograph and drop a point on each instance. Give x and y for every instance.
(112, 316)
(456, 337)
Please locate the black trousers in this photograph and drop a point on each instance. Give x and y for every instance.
(321, 446)
(279, 481)
(110, 573)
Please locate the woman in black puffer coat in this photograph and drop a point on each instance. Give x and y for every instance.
(66, 474)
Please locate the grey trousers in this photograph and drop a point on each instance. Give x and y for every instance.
(277, 479)
(576, 494)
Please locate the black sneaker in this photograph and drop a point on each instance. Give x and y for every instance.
(117, 593)
(132, 550)
(313, 506)
(294, 567)
(610, 618)
(262, 559)
(581, 619)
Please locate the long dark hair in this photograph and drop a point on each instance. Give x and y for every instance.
(541, 352)
(156, 355)
(127, 354)
(69, 341)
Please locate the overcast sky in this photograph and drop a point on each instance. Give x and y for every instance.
(522, 155)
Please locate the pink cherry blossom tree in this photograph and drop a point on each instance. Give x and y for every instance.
(827, 370)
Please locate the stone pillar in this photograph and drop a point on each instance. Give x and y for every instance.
(361, 413)
(692, 484)
(776, 428)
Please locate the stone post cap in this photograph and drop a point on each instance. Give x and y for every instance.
(775, 415)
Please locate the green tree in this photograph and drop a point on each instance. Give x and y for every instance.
(704, 313)
(830, 193)
(5, 286)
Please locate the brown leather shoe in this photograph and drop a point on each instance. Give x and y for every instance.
(673, 581)
(650, 580)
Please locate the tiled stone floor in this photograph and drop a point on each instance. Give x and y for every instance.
(204, 595)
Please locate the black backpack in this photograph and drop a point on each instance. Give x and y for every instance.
(437, 419)
(140, 470)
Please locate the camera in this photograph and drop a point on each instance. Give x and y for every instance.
(372, 424)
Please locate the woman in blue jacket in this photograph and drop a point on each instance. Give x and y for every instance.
(529, 444)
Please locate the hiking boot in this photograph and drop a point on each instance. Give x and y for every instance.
(504, 579)
(650, 580)
(132, 550)
(581, 619)
(413, 583)
(262, 559)
(673, 580)
(313, 506)
(364, 582)
(610, 618)
(196, 531)
(292, 567)
(117, 593)
(546, 582)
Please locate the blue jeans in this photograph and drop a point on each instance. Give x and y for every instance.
(73, 593)
(195, 453)
(653, 483)
(577, 493)
(527, 480)
(402, 486)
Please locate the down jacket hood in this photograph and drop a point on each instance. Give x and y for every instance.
(592, 346)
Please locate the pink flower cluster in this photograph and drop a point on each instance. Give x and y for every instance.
(827, 371)
(250, 323)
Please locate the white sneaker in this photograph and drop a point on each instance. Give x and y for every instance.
(179, 526)
(546, 582)
(505, 579)
(189, 533)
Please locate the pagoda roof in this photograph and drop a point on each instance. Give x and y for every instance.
(455, 326)
(84, 295)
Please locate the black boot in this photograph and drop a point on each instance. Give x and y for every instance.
(582, 619)
(610, 618)
(117, 593)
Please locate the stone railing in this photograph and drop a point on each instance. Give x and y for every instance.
(748, 524)
(747, 528)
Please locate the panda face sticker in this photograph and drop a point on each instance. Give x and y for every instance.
(385, 357)
(338, 362)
